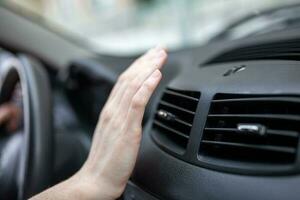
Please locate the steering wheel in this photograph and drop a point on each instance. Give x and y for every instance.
(26, 159)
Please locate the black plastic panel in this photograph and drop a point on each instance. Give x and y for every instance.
(198, 177)
(170, 178)
(133, 192)
(273, 78)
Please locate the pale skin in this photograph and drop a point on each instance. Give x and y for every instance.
(117, 136)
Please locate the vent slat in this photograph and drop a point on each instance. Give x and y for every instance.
(261, 50)
(269, 131)
(263, 56)
(259, 99)
(253, 146)
(171, 92)
(176, 107)
(287, 50)
(174, 118)
(183, 122)
(258, 116)
(171, 129)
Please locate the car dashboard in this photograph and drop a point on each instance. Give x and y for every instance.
(223, 124)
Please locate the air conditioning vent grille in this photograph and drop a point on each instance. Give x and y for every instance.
(174, 119)
(283, 50)
(252, 129)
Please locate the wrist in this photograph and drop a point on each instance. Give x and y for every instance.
(91, 186)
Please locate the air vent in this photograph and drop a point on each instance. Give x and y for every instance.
(284, 50)
(174, 119)
(253, 129)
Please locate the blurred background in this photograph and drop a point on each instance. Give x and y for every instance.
(127, 27)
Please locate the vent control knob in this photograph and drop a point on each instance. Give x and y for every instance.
(256, 129)
(166, 115)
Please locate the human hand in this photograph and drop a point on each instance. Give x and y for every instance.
(10, 116)
(117, 136)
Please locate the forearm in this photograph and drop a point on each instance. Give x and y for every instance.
(62, 191)
(77, 188)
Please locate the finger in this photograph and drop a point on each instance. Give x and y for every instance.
(132, 69)
(135, 68)
(129, 87)
(126, 76)
(149, 64)
(141, 74)
(146, 57)
(132, 87)
(140, 100)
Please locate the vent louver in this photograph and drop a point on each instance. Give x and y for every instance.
(174, 118)
(252, 129)
(283, 50)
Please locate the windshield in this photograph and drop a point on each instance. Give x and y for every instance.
(127, 27)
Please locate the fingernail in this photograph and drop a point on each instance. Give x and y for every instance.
(157, 61)
(156, 74)
(161, 53)
(154, 51)
(158, 58)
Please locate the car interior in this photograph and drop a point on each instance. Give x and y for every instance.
(224, 122)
